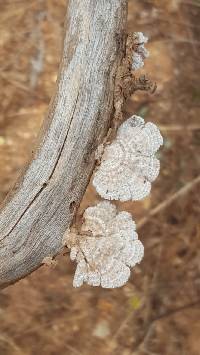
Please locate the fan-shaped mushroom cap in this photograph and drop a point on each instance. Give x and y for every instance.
(128, 165)
(107, 247)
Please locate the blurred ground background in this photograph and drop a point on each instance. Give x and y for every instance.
(158, 311)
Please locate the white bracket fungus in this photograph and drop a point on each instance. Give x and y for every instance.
(139, 52)
(107, 244)
(106, 247)
(129, 164)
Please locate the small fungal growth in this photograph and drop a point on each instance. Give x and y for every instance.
(129, 165)
(139, 50)
(105, 248)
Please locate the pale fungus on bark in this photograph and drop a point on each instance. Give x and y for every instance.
(107, 244)
(129, 165)
(105, 248)
(140, 53)
(45, 199)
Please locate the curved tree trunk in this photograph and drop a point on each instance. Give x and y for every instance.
(41, 206)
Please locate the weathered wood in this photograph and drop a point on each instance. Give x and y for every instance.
(41, 206)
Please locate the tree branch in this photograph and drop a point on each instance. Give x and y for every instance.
(43, 202)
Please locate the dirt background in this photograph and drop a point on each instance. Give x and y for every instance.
(158, 311)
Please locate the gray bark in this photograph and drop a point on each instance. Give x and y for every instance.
(42, 203)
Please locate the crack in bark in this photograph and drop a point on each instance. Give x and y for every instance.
(50, 176)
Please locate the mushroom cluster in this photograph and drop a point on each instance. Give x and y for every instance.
(129, 165)
(107, 245)
(105, 248)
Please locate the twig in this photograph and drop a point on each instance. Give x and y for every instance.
(181, 40)
(4, 339)
(72, 349)
(192, 3)
(179, 127)
(176, 310)
(186, 2)
(37, 62)
(185, 189)
(21, 86)
(152, 290)
(147, 333)
(190, 35)
(122, 325)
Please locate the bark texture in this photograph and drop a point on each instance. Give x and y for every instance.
(42, 203)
